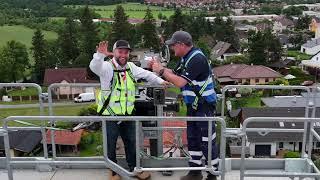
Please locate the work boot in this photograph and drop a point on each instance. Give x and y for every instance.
(143, 175)
(192, 175)
(113, 176)
(211, 177)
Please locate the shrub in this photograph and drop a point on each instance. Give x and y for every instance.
(87, 139)
(87, 111)
(3, 92)
(292, 154)
(317, 163)
(244, 91)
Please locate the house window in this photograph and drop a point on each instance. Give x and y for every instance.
(290, 142)
(303, 50)
(280, 145)
(257, 80)
(318, 145)
(248, 80)
(267, 80)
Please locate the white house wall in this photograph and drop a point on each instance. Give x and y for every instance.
(227, 55)
(288, 146)
(310, 51)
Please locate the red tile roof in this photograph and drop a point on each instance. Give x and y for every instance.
(243, 71)
(168, 136)
(71, 75)
(65, 137)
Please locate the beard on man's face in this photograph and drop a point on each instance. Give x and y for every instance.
(122, 60)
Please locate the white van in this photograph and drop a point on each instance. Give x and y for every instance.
(85, 97)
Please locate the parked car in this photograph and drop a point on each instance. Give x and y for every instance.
(6, 99)
(84, 97)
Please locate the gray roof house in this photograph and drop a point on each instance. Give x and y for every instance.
(311, 47)
(222, 50)
(270, 144)
(291, 101)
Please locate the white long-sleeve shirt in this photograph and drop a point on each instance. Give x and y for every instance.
(105, 71)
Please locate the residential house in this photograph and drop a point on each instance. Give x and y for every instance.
(312, 65)
(311, 13)
(249, 18)
(133, 21)
(65, 140)
(21, 142)
(283, 65)
(263, 26)
(310, 7)
(284, 40)
(292, 101)
(242, 31)
(67, 76)
(223, 50)
(311, 47)
(244, 74)
(245, 27)
(268, 145)
(282, 23)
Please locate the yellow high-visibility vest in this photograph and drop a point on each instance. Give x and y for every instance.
(122, 94)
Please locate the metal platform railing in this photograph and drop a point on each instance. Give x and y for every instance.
(308, 133)
(41, 108)
(5, 136)
(108, 163)
(311, 170)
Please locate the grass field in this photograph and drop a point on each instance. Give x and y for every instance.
(26, 92)
(133, 10)
(21, 34)
(298, 55)
(59, 111)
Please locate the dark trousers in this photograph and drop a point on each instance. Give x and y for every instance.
(197, 134)
(126, 130)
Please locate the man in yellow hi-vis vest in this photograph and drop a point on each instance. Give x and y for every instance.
(117, 97)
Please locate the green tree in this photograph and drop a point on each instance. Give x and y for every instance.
(201, 43)
(175, 23)
(273, 47)
(160, 15)
(40, 52)
(256, 48)
(264, 47)
(88, 38)
(68, 42)
(54, 55)
(225, 31)
(293, 11)
(13, 61)
(197, 26)
(303, 22)
(149, 34)
(121, 29)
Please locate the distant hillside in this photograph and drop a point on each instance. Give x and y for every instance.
(21, 34)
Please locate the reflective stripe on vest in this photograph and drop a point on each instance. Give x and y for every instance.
(122, 96)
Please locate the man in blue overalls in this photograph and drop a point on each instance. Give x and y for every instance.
(193, 75)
